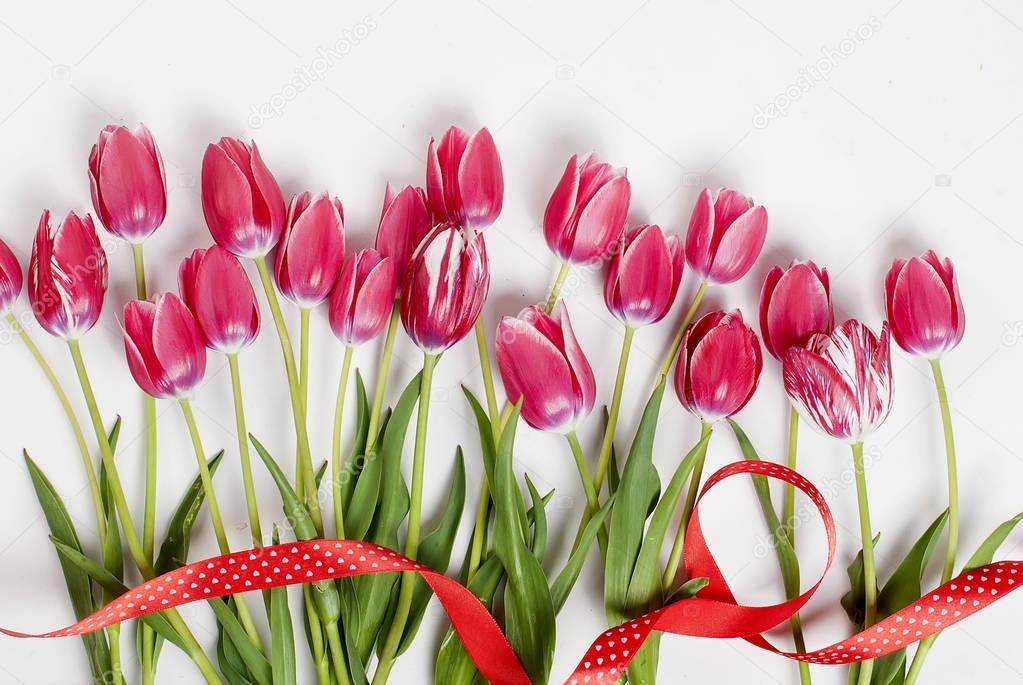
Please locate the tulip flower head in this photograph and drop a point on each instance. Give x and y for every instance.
(586, 213)
(464, 180)
(842, 383)
(67, 276)
(923, 304)
(10, 278)
(726, 233)
(129, 187)
(164, 347)
(361, 301)
(404, 222)
(542, 363)
(444, 287)
(719, 367)
(241, 200)
(643, 276)
(310, 253)
(216, 290)
(795, 305)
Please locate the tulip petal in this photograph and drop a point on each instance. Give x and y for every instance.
(480, 181)
(226, 198)
(797, 308)
(739, 246)
(177, 346)
(130, 187)
(561, 207)
(228, 323)
(700, 235)
(534, 370)
(724, 370)
(601, 221)
(820, 394)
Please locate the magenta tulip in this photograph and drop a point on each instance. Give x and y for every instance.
(795, 305)
(464, 180)
(216, 290)
(164, 346)
(719, 367)
(310, 253)
(541, 363)
(129, 188)
(444, 287)
(10, 278)
(586, 214)
(924, 307)
(361, 301)
(842, 383)
(241, 200)
(404, 221)
(726, 234)
(643, 277)
(67, 276)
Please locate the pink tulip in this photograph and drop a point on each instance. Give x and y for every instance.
(216, 290)
(795, 305)
(586, 214)
(644, 276)
(310, 253)
(842, 383)
(924, 307)
(241, 200)
(164, 346)
(720, 365)
(10, 278)
(361, 301)
(726, 234)
(404, 221)
(445, 285)
(129, 188)
(464, 180)
(541, 363)
(67, 276)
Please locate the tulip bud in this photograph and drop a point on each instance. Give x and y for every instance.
(129, 188)
(404, 221)
(587, 210)
(541, 363)
(216, 290)
(720, 365)
(241, 200)
(644, 276)
(795, 305)
(361, 301)
(924, 307)
(164, 347)
(310, 253)
(726, 234)
(842, 383)
(464, 180)
(10, 278)
(67, 276)
(444, 287)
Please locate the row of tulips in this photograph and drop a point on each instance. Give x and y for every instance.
(429, 271)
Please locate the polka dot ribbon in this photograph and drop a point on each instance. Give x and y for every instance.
(713, 613)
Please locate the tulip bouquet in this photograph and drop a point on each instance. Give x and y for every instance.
(428, 273)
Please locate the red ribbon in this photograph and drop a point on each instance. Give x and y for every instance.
(713, 613)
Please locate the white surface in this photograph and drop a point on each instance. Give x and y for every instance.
(912, 141)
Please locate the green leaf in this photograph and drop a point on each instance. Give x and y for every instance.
(353, 464)
(539, 542)
(232, 666)
(563, 584)
(435, 550)
(366, 494)
(174, 550)
(282, 634)
(485, 429)
(253, 659)
(853, 601)
(986, 552)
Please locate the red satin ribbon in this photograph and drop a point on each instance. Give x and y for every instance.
(713, 613)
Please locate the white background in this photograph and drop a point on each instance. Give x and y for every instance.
(912, 140)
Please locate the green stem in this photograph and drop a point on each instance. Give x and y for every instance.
(788, 519)
(337, 653)
(114, 639)
(148, 661)
(297, 407)
(335, 456)
(559, 282)
(76, 427)
(867, 538)
(592, 502)
(251, 502)
(675, 558)
(397, 629)
(214, 509)
(320, 660)
(149, 404)
(480, 530)
(953, 511)
(142, 562)
(676, 342)
(385, 371)
(303, 389)
(607, 445)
